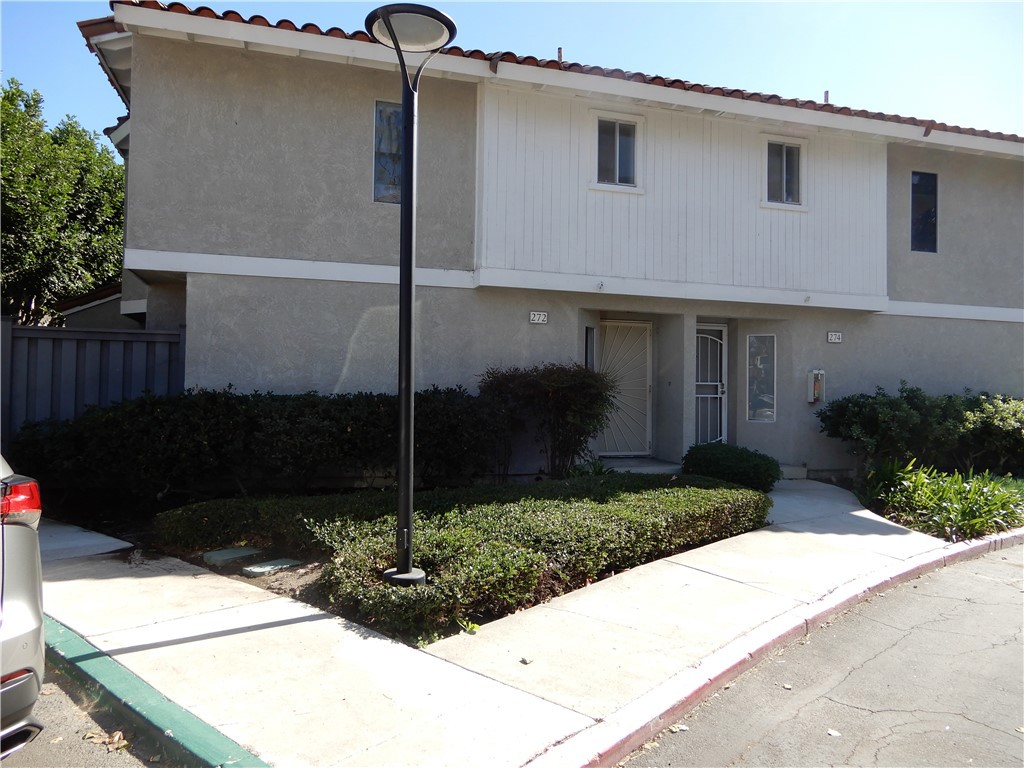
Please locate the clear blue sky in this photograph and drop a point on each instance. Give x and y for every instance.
(956, 62)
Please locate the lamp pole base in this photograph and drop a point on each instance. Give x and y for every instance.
(409, 579)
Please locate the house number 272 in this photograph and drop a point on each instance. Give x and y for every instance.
(538, 317)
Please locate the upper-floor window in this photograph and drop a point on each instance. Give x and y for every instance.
(616, 152)
(924, 209)
(387, 153)
(784, 185)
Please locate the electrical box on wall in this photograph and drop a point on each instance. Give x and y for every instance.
(815, 386)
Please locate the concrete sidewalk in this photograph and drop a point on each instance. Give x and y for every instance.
(242, 676)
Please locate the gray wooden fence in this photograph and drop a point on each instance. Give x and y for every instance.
(58, 372)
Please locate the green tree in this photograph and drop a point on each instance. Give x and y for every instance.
(63, 210)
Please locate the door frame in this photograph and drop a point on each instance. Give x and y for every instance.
(724, 387)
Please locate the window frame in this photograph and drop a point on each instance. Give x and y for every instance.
(639, 124)
(935, 238)
(791, 141)
(774, 380)
(393, 196)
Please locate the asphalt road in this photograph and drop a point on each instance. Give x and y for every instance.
(80, 736)
(930, 673)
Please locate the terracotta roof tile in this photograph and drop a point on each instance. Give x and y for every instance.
(96, 27)
(120, 121)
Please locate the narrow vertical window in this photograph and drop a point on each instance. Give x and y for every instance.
(387, 153)
(924, 212)
(761, 378)
(589, 352)
(616, 152)
(783, 173)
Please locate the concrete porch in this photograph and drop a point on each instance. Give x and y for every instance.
(648, 465)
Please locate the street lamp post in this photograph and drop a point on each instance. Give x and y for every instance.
(408, 28)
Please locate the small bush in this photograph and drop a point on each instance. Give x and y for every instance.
(734, 464)
(952, 506)
(993, 436)
(569, 404)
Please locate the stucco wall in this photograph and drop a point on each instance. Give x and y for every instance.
(165, 307)
(133, 287)
(939, 356)
(251, 154)
(293, 336)
(980, 258)
(103, 315)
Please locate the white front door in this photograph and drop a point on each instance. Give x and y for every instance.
(624, 352)
(711, 377)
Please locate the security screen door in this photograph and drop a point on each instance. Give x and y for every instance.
(625, 354)
(711, 377)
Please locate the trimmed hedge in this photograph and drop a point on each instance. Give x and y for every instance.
(220, 443)
(282, 520)
(743, 466)
(487, 550)
(487, 560)
(204, 443)
(963, 432)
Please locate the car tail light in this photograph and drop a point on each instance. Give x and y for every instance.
(15, 675)
(21, 503)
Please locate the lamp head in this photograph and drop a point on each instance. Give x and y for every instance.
(417, 28)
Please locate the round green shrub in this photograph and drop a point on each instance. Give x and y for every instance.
(743, 466)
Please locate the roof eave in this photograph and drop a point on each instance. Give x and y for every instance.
(103, 37)
(257, 34)
(902, 131)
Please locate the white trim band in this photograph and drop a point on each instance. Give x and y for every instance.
(305, 269)
(298, 269)
(955, 311)
(624, 286)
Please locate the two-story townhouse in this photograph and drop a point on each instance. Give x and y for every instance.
(733, 258)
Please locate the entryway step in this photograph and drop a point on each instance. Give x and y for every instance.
(225, 556)
(641, 465)
(269, 567)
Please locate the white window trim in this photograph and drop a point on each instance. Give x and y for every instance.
(795, 141)
(638, 161)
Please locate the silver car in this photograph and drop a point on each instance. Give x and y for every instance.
(22, 655)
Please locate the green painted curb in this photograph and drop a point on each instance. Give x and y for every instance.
(184, 735)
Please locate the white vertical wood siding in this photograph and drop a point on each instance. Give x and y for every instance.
(698, 217)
